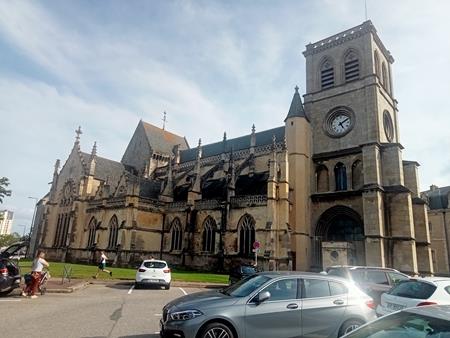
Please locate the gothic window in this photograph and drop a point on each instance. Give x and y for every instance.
(209, 235)
(351, 66)
(340, 175)
(384, 76)
(113, 232)
(322, 180)
(357, 175)
(377, 63)
(58, 230)
(246, 235)
(177, 234)
(92, 227)
(327, 75)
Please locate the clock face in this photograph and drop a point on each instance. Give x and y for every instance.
(339, 122)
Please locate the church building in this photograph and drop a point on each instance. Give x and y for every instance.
(329, 186)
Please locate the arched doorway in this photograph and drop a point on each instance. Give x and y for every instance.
(339, 224)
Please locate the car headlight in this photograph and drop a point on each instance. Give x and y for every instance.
(185, 315)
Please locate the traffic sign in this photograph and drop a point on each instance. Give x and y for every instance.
(256, 245)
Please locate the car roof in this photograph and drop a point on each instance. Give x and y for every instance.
(436, 311)
(153, 260)
(355, 267)
(300, 274)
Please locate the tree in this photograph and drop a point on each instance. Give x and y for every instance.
(4, 182)
(7, 240)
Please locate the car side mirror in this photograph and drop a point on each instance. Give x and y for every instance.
(262, 297)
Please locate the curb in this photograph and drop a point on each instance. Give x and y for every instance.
(174, 283)
(69, 289)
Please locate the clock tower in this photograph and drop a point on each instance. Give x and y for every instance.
(363, 193)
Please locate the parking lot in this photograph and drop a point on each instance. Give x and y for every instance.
(111, 310)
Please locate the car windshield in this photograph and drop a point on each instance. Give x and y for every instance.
(413, 289)
(405, 324)
(155, 265)
(246, 286)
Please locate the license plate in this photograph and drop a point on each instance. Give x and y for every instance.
(394, 307)
(153, 280)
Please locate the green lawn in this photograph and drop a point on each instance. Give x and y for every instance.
(81, 271)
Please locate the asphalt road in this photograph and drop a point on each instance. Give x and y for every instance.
(97, 311)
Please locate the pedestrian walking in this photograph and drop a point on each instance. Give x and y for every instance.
(39, 263)
(102, 265)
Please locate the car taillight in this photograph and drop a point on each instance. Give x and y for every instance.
(142, 270)
(4, 272)
(166, 270)
(371, 304)
(426, 303)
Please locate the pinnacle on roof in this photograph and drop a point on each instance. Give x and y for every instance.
(296, 109)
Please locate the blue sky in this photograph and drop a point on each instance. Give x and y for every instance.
(214, 66)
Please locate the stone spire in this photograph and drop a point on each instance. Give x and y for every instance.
(253, 140)
(167, 194)
(296, 109)
(55, 180)
(93, 160)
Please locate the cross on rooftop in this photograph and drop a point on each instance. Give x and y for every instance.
(78, 132)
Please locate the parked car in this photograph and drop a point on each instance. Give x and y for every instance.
(9, 269)
(372, 280)
(415, 292)
(241, 271)
(420, 322)
(153, 272)
(269, 305)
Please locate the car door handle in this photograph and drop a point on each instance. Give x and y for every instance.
(292, 306)
(338, 302)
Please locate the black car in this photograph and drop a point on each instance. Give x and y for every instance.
(9, 269)
(374, 281)
(241, 271)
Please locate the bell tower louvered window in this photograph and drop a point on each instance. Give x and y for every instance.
(327, 75)
(351, 67)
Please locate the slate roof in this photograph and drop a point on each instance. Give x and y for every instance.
(105, 168)
(296, 109)
(150, 189)
(235, 144)
(438, 198)
(163, 141)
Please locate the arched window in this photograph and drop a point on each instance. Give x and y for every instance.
(357, 175)
(326, 74)
(209, 235)
(340, 175)
(62, 229)
(376, 59)
(177, 234)
(246, 235)
(322, 180)
(384, 76)
(92, 227)
(351, 66)
(113, 232)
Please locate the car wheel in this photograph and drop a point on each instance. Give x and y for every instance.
(349, 326)
(216, 330)
(167, 286)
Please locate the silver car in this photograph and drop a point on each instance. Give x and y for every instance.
(270, 305)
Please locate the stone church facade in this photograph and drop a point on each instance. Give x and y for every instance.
(328, 187)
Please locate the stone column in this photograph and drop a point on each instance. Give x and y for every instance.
(373, 208)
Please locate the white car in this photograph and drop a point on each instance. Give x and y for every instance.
(153, 272)
(415, 292)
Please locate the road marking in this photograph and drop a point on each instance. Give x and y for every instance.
(10, 300)
(158, 315)
(131, 290)
(182, 290)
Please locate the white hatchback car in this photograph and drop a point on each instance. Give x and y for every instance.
(153, 272)
(415, 292)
